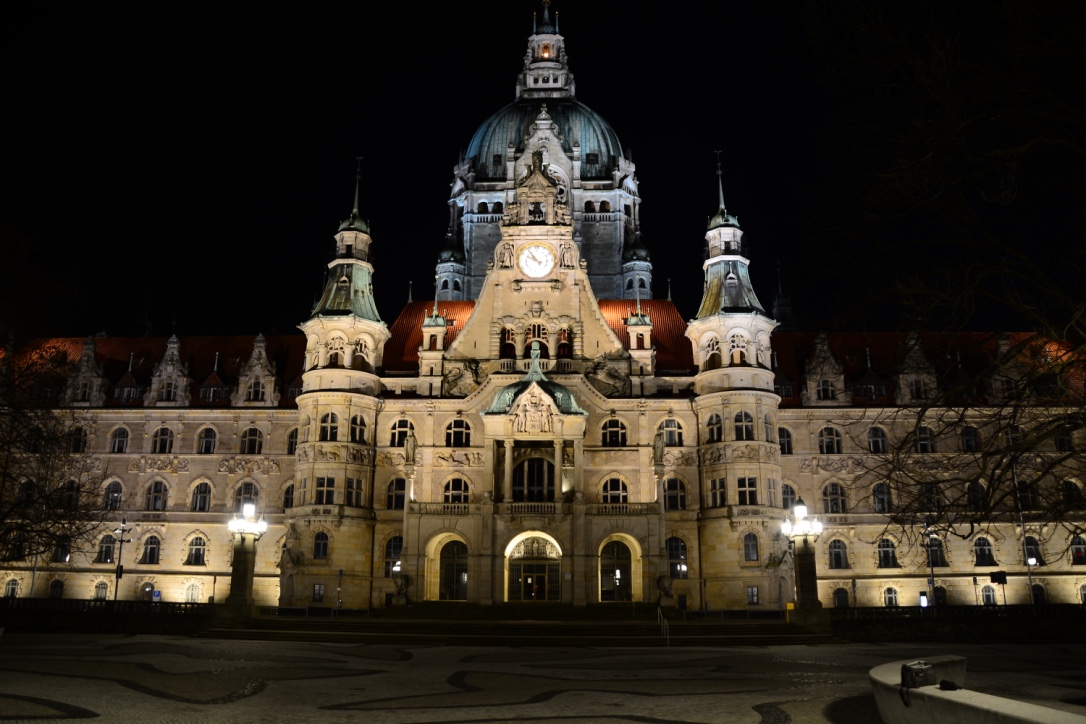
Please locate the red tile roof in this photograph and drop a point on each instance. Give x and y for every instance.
(673, 351)
(402, 351)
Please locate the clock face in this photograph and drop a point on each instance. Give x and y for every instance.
(536, 260)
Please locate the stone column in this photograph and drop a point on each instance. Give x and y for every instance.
(507, 479)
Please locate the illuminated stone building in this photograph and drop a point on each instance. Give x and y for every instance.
(544, 430)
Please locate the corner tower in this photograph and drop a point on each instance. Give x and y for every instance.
(330, 525)
(737, 420)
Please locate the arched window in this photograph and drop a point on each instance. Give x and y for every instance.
(676, 558)
(201, 498)
(118, 441)
(400, 429)
(56, 589)
(988, 595)
(673, 433)
(887, 554)
(205, 441)
(255, 392)
(1033, 550)
(1072, 495)
(288, 497)
(982, 548)
(744, 426)
(292, 441)
(840, 598)
(970, 439)
(614, 491)
(750, 547)
(105, 549)
(112, 498)
(614, 433)
(456, 491)
(833, 499)
(192, 593)
(785, 438)
(70, 500)
(77, 440)
(838, 554)
(1015, 435)
(889, 597)
(156, 496)
(393, 550)
(197, 549)
(977, 497)
(454, 572)
(1038, 591)
(881, 498)
(358, 429)
(829, 441)
(458, 434)
(674, 494)
(162, 441)
(715, 429)
(1078, 551)
(11, 589)
(101, 591)
(533, 481)
(788, 496)
(397, 488)
(329, 431)
(245, 493)
(924, 441)
(936, 553)
(252, 441)
(712, 354)
(150, 550)
(1064, 441)
(320, 546)
(876, 440)
(590, 207)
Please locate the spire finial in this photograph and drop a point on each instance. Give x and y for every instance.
(720, 180)
(533, 23)
(409, 283)
(357, 180)
(546, 12)
(436, 278)
(637, 296)
(669, 289)
(131, 357)
(216, 367)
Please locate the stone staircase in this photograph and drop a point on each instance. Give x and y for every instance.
(449, 624)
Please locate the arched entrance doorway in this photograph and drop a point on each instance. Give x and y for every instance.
(147, 592)
(840, 598)
(616, 574)
(454, 572)
(535, 571)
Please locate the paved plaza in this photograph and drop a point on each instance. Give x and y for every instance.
(181, 679)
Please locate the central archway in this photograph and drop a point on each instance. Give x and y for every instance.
(533, 568)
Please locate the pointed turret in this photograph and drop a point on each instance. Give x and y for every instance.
(546, 69)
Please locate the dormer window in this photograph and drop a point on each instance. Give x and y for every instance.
(169, 392)
(825, 390)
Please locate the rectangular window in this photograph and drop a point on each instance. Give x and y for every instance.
(318, 592)
(752, 595)
(748, 491)
(825, 390)
(718, 492)
(354, 493)
(326, 492)
(773, 493)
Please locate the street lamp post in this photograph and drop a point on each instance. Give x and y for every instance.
(246, 530)
(121, 540)
(800, 530)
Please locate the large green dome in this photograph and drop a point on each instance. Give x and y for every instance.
(600, 147)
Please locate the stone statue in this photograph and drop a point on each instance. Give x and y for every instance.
(410, 446)
(658, 446)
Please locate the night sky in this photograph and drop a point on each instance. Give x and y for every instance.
(175, 171)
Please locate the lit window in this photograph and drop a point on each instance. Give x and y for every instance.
(246, 494)
(889, 597)
(676, 558)
(101, 591)
(752, 595)
(1033, 550)
(988, 595)
(318, 592)
(105, 549)
(393, 550)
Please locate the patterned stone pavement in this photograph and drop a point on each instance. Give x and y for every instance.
(178, 679)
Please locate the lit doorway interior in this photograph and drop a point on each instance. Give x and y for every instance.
(535, 571)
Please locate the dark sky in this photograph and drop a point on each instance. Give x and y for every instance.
(188, 170)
